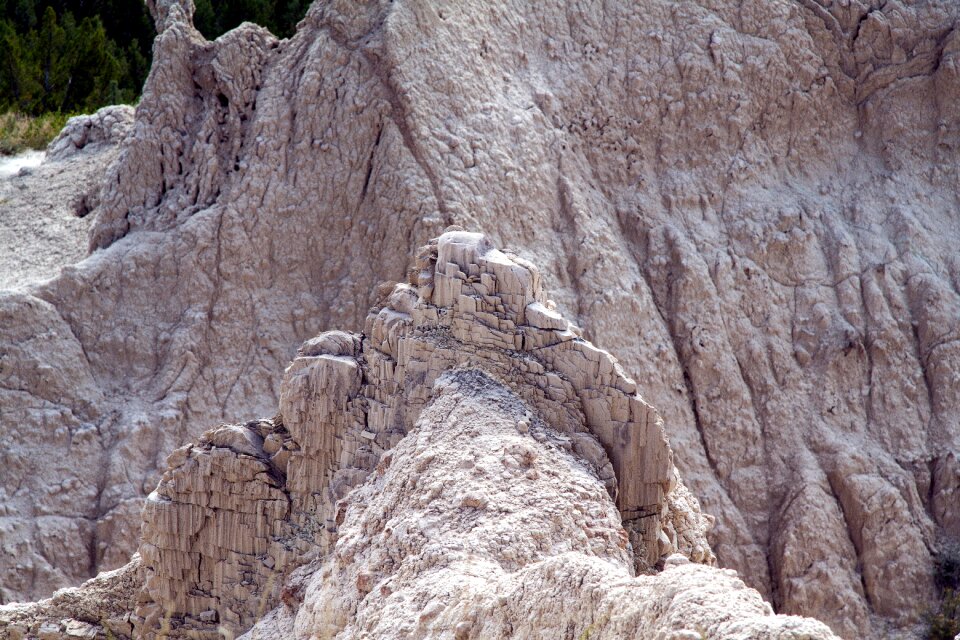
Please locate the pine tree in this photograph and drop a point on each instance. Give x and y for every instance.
(53, 49)
(65, 56)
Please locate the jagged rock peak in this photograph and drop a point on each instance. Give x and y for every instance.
(422, 479)
(250, 503)
(476, 527)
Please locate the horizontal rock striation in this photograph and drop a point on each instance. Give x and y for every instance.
(240, 510)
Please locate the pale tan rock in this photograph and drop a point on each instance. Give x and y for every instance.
(100, 608)
(450, 322)
(214, 536)
(753, 203)
(105, 129)
(454, 471)
(420, 555)
(233, 516)
(45, 211)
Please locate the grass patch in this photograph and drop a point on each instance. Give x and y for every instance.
(20, 132)
(944, 624)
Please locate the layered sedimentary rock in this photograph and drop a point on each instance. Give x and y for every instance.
(484, 523)
(753, 202)
(235, 513)
(469, 467)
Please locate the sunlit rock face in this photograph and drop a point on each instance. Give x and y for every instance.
(752, 204)
(463, 468)
(246, 506)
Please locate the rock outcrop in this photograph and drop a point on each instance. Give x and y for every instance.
(100, 608)
(753, 202)
(483, 523)
(462, 469)
(44, 210)
(248, 504)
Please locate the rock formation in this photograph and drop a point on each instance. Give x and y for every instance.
(100, 608)
(221, 526)
(754, 203)
(461, 469)
(482, 523)
(43, 210)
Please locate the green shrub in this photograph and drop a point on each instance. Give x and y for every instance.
(64, 56)
(944, 622)
(947, 568)
(65, 64)
(214, 17)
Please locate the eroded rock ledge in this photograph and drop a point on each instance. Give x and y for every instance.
(480, 524)
(427, 478)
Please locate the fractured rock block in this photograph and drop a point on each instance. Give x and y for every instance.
(237, 512)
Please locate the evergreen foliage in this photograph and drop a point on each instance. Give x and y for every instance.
(215, 17)
(58, 56)
(943, 623)
(71, 56)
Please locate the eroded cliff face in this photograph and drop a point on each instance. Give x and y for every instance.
(506, 533)
(234, 515)
(753, 202)
(468, 467)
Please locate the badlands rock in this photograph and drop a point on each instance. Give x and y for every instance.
(106, 128)
(100, 608)
(444, 475)
(237, 512)
(43, 210)
(472, 528)
(753, 202)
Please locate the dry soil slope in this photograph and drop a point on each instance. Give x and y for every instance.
(753, 203)
(44, 207)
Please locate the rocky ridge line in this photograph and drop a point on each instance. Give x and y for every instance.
(223, 528)
(483, 523)
(511, 416)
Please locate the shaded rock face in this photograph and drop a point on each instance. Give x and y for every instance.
(753, 202)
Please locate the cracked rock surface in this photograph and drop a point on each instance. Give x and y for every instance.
(248, 506)
(444, 474)
(473, 528)
(753, 202)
